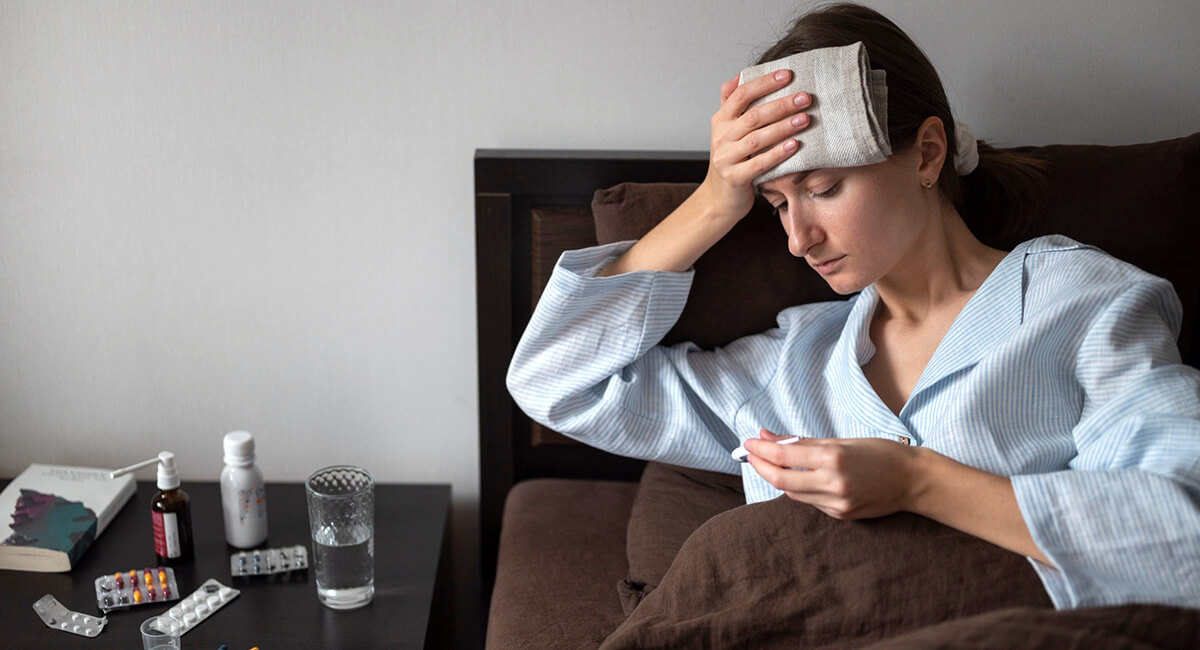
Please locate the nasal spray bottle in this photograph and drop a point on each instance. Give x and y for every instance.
(170, 510)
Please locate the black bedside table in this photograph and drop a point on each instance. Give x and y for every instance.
(281, 611)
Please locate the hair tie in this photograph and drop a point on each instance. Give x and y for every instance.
(966, 156)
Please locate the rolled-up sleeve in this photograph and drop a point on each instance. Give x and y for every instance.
(1122, 524)
(589, 366)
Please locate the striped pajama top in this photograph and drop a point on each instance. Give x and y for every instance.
(1061, 372)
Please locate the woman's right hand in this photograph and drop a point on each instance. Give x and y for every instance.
(738, 134)
(727, 192)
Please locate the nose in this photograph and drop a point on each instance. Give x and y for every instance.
(802, 233)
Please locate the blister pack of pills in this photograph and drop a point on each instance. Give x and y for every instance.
(136, 587)
(268, 560)
(55, 615)
(201, 604)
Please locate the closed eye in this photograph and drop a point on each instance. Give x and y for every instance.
(827, 193)
(781, 208)
(833, 189)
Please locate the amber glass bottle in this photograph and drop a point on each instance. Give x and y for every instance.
(172, 514)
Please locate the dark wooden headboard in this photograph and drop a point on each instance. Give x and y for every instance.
(513, 188)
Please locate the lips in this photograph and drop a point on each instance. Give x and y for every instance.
(828, 266)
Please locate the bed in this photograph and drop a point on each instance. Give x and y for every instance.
(580, 548)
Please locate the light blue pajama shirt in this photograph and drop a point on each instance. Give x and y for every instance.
(1061, 372)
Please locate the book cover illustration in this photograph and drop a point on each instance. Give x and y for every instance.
(57, 512)
(52, 522)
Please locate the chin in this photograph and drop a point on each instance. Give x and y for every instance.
(846, 286)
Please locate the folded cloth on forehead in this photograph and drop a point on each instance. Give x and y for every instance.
(849, 110)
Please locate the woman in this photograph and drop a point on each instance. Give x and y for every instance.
(1033, 398)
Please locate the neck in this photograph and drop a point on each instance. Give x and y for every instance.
(941, 270)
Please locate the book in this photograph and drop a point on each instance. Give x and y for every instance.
(57, 512)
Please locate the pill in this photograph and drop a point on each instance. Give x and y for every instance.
(137, 597)
(201, 609)
(120, 582)
(213, 601)
(189, 618)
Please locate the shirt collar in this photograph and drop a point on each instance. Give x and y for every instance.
(990, 316)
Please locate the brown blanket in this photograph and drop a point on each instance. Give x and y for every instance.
(781, 574)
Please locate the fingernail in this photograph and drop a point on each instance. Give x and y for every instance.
(781, 75)
(790, 145)
(801, 99)
(800, 120)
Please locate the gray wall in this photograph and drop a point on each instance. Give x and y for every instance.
(219, 215)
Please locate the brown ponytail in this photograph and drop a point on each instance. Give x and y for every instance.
(1001, 196)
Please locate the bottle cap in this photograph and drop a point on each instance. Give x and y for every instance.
(239, 448)
(168, 475)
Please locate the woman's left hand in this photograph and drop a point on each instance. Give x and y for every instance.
(844, 478)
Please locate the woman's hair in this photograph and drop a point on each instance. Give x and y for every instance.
(1001, 195)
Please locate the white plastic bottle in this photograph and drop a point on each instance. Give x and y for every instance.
(243, 493)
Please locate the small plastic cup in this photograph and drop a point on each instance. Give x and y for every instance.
(160, 633)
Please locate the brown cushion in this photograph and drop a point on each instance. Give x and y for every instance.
(780, 574)
(671, 503)
(557, 565)
(741, 284)
(1138, 202)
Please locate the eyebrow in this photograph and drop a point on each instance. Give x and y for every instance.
(796, 180)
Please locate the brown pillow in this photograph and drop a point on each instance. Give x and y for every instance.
(781, 574)
(671, 503)
(741, 284)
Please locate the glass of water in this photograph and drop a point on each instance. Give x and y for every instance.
(341, 514)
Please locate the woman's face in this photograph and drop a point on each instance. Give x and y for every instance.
(854, 225)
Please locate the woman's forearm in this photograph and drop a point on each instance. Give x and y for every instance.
(677, 241)
(976, 502)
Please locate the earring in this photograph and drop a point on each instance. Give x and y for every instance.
(928, 184)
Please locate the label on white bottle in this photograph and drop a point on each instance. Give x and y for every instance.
(244, 501)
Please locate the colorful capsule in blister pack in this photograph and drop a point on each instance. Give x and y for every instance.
(201, 604)
(268, 560)
(136, 587)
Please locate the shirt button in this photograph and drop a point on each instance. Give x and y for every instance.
(904, 440)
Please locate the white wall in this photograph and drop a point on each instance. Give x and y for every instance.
(219, 215)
